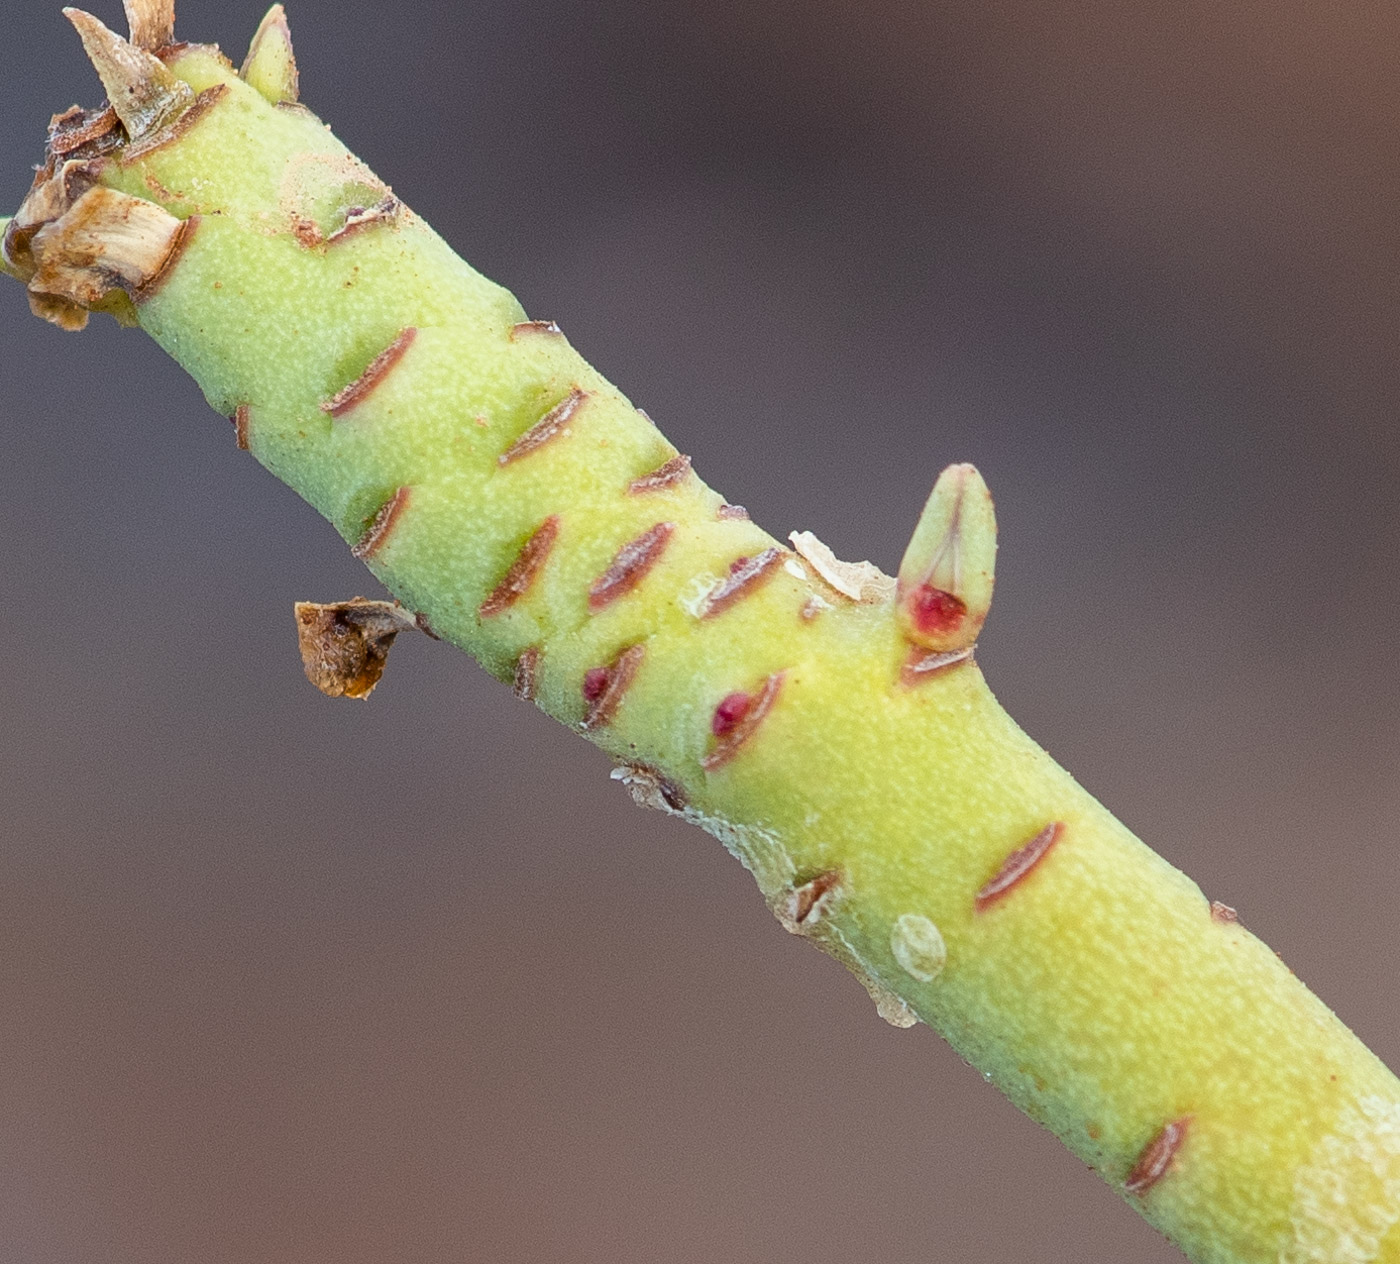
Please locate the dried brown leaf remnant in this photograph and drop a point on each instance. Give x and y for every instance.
(152, 23)
(142, 89)
(860, 581)
(344, 646)
(105, 242)
(77, 127)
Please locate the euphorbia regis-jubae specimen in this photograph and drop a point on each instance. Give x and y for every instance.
(828, 724)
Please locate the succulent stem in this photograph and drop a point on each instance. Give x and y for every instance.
(828, 724)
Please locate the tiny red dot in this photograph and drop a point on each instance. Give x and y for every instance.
(732, 708)
(935, 610)
(737, 564)
(595, 681)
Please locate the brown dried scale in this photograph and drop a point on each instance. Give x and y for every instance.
(241, 418)
(106, 241)
(77, 128)
(527, 672)
(152, 23)
(549, 427)
(634, 559)
(523, 571)
(344, 646)
(651, 788)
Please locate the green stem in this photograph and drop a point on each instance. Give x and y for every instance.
(830, 727)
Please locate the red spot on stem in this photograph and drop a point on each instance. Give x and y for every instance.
(936, 612)
(676, 470)
(527, 565)
(375, 372)
(382, 525)
(548, 427)
(745, 576)
(1156, 1159)
(604, 687)
(745, 726)
(732, 708)
(1018, 866)
(630, 566)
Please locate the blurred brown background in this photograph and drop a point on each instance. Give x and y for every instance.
(291, 981)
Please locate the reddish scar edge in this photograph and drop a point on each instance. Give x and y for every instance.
(375, 372)
(1156, 1158)
(523, 571)
(382, 526)
(1018, 866)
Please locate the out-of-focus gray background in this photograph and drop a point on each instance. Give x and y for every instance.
(290, 981)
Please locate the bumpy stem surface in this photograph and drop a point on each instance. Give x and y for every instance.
(829, 725)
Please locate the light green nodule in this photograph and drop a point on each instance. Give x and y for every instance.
(889, 809)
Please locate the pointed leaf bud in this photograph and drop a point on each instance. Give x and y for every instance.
(271, 66)
(152, 23)
(142, 90)
(945, 579)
